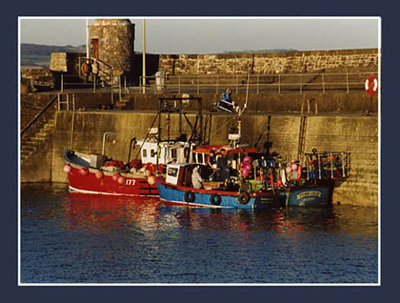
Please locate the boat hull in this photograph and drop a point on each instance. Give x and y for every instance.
(202, 198)
(107, 185)
(312, 196)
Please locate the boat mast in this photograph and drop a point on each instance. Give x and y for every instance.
(240, 111)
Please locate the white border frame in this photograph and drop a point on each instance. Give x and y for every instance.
(379, 46)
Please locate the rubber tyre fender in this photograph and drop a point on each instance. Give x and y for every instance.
(215, 199)
(189, 196)
(243, 198)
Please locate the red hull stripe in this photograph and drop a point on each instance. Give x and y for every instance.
(192, 204)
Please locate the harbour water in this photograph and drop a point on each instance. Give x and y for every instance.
(79, 238)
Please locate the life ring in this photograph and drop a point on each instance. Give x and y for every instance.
(369, 82)
(215, 199)
(189, 196)
(243, 198)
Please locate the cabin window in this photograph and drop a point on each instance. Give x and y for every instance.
(172, 171)
(199, 158)
(152, 153)
(144, 153)
(174, 153)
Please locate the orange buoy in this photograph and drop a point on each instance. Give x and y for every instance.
(121, 181)
(151, 180)
(67, 168)
(99, 174)
(84, 171)
(115, 177)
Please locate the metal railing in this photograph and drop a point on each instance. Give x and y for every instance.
(258, 84)
(118, 84)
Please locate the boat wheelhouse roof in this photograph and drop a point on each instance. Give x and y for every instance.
(224, 150)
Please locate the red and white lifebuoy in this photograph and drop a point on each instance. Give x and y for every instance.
(371, 85)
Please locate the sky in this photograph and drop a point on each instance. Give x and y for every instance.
(216, 35)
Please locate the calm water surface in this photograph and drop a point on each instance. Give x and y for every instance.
(78, 238)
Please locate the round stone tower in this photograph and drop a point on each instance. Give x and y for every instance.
(111, 42)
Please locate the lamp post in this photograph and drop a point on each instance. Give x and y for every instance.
(144, 58)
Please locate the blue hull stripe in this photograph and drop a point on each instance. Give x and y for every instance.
(200, 199)
(312, 196)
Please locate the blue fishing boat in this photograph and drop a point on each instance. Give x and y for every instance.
(237, 176)
(175, 190)
(320, 174)
(317, 195)
(244, 178)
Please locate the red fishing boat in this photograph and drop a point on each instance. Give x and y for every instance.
(99, 174)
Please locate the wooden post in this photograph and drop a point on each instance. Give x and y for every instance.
(279, 84)
(62, 82)
(301, 85)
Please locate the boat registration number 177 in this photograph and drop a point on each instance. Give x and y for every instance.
(130, 182)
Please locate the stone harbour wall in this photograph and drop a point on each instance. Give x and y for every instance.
(271, 63)
(84, 131)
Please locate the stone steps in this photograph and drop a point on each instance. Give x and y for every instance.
(30, 145)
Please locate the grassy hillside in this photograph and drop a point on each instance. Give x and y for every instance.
(35, 55)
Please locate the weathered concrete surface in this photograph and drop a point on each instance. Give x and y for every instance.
(84, 131)
(359, 136)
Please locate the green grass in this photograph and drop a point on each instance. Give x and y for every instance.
(35, 60)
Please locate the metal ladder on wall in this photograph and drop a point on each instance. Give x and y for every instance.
(65, 99)
(302, 138)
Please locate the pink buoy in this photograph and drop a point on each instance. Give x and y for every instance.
(67, 168)
(151, 180)
(294, 167)
(115, 177)
(99, 174)
(247, 159)
(245, 173)
(248, 166)
(84, 171)
(121, 180)
(288, 169)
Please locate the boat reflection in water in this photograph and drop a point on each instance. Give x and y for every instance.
(80, 238)
(87, 211)
(150, 214)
